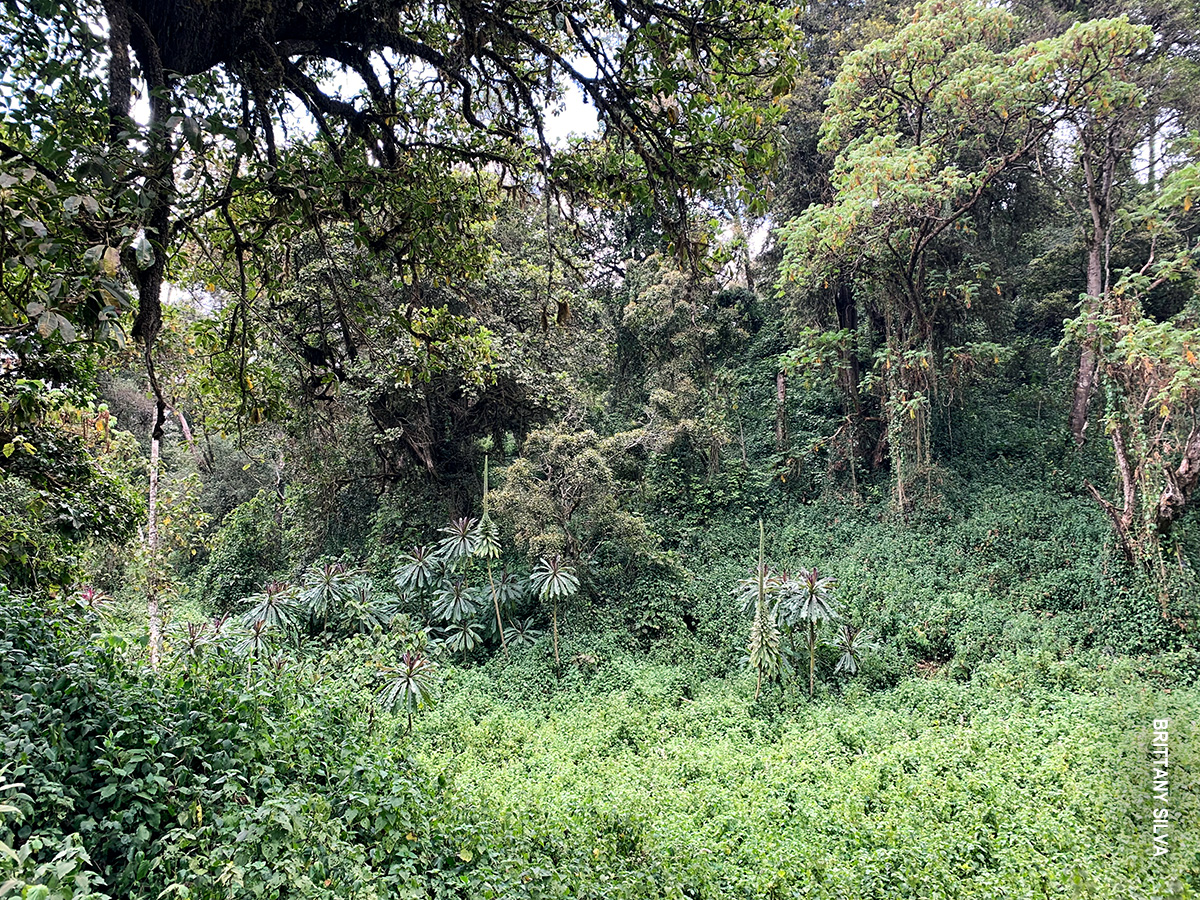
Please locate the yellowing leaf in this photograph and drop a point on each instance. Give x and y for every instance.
(110, 262)
(465, 855)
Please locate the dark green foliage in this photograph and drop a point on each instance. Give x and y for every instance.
(112, 756)
(246, 553)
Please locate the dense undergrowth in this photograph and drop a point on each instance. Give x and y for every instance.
(994, 742)
(621, 778)
(1028, 781)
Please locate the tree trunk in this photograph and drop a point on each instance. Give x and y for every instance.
(201, 463)
(1123, 518)
(812, 656)
(894, 421)
(1085, 378)
(1181, 483)
(119, 74)
(554, 626)
(152, 608)
(496, 600)
(1099, 197)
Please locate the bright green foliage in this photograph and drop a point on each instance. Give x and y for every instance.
(933, 788)
(777, 606)
(552, 579)
(1149, 371)
(764, 647)
(488, 548)
(246, 552)
(378, 304)
(925, 121)
(460, 542)
(561, 498)
(757, 595)
(454, 600)
(522, 632)
(65, 472)
(367, 609)
(66, 875)
(190, 642)
(850, 642)
(925, 124)
(806, 600)
(258, 639)
(462, 636)
(487, 539)
(448, 578)
(61, 224)
(418, 569)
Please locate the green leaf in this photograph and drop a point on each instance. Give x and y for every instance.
(143, 252)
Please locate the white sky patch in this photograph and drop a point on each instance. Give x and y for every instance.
(576, 118)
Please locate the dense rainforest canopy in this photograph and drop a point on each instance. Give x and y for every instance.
(785, 484)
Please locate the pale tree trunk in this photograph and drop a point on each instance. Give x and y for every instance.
(812, 657)
(743, 241)
(1099, 191)
(201, 464)
(496, 604)
(1123, 518)
(152, 606)
(894, 429)
(1085, 378)
(848, 370)
(554, 626)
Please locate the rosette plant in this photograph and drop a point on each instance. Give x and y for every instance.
(758, 597)
(554, 582)
(408, 686)
(806, 601)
